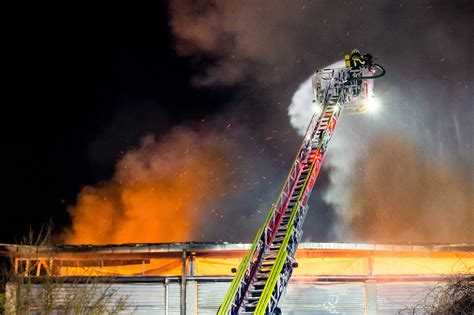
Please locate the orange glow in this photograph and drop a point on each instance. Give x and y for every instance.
(331, 266)
(156, 267)
(159, 193)
(330, 263)
(422, 265)
(215, 266)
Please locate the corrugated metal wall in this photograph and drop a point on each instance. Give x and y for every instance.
(393, 297)
(300, 298)
(174, 300)
(210, 296)
(333, 298)
(150, 298)
(143, 298)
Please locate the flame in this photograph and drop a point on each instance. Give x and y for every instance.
(160, 193)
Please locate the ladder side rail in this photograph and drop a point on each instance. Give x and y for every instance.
(295, 231)
(314, 126)
(325, 135)
(321, 126)
(317, 163)
(286, 205)
(298, 223)
(276, 271)
(276, 215)
(267, 233)
(282, 201)
(236, 282)
(300, 159)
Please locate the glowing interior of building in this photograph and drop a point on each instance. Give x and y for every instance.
(192, 278)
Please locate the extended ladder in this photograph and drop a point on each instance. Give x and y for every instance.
(265, 271)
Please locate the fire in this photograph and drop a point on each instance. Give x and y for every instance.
(160, 193)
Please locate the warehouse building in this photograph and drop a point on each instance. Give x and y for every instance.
(192, 278)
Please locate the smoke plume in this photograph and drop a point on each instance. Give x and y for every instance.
(241, 38)
(386, 188)
(160, 192)
(272, 46)
(300, 111)
(402, 196)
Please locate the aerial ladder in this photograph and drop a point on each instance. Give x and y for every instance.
(265, 271)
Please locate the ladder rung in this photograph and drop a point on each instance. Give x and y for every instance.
(271, 255)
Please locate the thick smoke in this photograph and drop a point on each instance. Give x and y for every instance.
(267, 48)
(247, 39)
(198, 183)
(161, 192)
(401, 195)
(385, 187)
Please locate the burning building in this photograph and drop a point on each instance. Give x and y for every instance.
(192, 278)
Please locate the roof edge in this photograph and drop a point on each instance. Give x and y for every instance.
(12, 249)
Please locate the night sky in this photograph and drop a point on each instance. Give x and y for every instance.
(85, 83)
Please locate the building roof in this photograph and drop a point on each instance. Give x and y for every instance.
(315, 260)
(216, 247)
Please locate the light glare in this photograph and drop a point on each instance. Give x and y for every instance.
(373, 104)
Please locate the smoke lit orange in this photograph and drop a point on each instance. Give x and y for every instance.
(159, 193)
(402, 196)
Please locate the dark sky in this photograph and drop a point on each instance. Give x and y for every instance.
(84, 83)
(70, 70)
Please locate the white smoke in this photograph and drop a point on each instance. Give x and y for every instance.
(302, 106)
(346, 149)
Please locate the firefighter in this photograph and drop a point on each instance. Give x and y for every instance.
(357, 60)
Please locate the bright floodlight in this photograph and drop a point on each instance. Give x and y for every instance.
(373, 104)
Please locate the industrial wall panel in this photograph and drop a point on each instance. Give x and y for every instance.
(332, 298)
(174, 295)
(394, 297)
(140, 298)
(300, 298)
(210, 296)
(150, 298)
